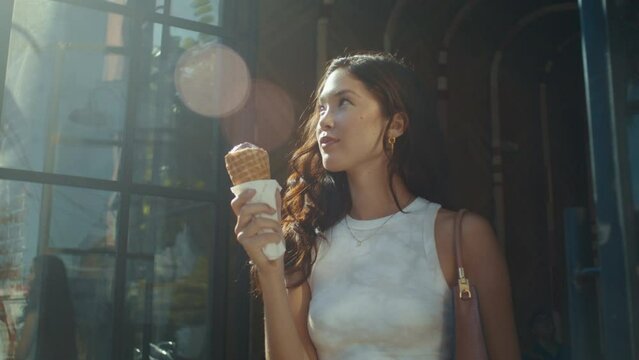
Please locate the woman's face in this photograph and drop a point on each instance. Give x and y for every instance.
(351, 125)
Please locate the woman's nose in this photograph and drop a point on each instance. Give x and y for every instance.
(325, 121)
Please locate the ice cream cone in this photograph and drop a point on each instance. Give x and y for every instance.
(248, 168)
(247, 164)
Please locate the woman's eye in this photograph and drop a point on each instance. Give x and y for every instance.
(344, 101)
(321, 108)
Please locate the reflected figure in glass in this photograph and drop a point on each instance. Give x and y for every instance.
(48, 330)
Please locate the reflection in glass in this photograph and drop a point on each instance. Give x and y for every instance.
(18, 235)
(91, 282)
(65, 94)
(49, 330)
(174, 146)
(167, 288)
(81, 218)
(204, 11)
(40, 219)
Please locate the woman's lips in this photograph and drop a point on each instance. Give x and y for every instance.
(327, 141)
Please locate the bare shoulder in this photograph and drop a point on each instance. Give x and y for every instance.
(444, 223)
(472, 223)
(475, 222)
(478, 242)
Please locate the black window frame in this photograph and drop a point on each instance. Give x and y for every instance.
(238, 30)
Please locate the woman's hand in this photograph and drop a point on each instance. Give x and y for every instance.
(254, 232)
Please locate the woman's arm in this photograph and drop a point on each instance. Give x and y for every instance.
(285, 320)
(285, 311)
(486, 268)
(27, 337)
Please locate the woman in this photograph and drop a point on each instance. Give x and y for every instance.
(369, 259)
(49, 322)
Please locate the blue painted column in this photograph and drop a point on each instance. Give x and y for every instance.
(616, 321)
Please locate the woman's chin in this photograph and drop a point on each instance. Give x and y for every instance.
(331, 165)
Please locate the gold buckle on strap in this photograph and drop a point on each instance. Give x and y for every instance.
(464, 285)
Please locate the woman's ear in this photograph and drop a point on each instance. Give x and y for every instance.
(399, 124)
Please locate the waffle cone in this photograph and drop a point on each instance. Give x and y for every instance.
(247, 164)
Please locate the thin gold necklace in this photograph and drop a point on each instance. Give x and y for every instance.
(360, 241)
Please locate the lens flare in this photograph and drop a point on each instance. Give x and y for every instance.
(212, 80)
(267, 119)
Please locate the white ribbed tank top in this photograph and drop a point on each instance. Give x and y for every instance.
(385, 299)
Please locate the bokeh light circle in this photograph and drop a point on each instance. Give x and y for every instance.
(267, 119)
(212, 80)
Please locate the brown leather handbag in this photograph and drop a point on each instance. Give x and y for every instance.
(469, 337)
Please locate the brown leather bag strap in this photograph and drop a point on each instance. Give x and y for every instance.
(457, 238)
(462, 281)
(469, 336)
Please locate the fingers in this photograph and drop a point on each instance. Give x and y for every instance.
(258, 241)
(254, 230)
(259, 233)
(258, 225)
(250, 211)
(240, 200)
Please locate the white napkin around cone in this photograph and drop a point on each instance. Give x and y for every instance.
(265, 192)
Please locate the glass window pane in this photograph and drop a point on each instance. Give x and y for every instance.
(65, 92)
(80, 218)
(19, 225)
(167, 287)
(51, 297)
(158, 223)
(205, 11)
(91, 286)
(177, 133)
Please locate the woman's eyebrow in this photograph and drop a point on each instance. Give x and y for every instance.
(322, 98)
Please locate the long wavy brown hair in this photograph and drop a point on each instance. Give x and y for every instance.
(316, 199)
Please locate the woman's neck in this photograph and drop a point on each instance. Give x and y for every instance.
(372, 197)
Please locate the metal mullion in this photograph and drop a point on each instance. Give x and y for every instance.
(105, 6)
(173, 193)
(6, 13)
(38, 177)
(105, 185)
(189, 25)
(74, 251)
(125, 178)
(218, 267)
(138, 78)
(103, 251)
(164, 19)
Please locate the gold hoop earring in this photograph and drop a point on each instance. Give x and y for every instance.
(391, 142)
